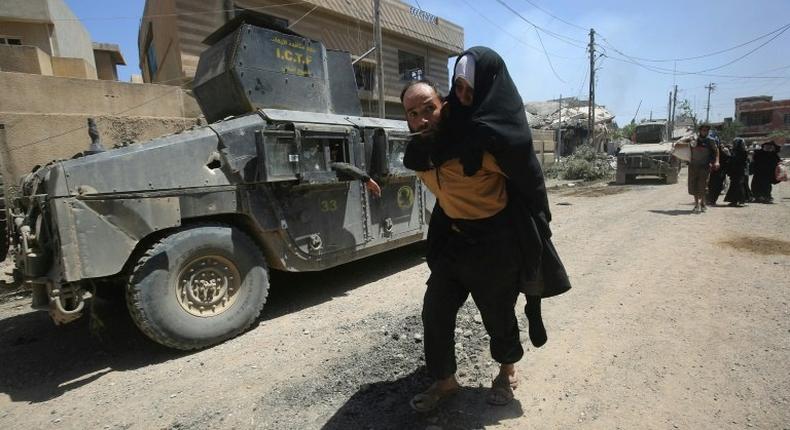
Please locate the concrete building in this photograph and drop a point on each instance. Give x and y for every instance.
(44, 37)
(416, 44)
(107, 56)
(763, 116)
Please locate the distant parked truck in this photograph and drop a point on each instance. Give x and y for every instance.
(648, 154)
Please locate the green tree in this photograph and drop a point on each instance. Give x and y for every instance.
(730, 131)
(687, 112)
(626, 132)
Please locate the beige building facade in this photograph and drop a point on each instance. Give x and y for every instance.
(44, 37)
(416, 44)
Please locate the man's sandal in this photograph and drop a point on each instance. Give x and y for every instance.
(429, 399)
(502, 389)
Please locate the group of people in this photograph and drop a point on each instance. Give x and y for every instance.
(713, 161)
(489, 234)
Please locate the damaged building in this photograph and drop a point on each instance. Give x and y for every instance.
(570, 117)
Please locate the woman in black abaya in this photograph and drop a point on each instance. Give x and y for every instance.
(738, 170)
(764, 166)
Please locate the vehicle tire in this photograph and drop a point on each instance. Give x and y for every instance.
(630, 178)
(3, 223)
(198, 287)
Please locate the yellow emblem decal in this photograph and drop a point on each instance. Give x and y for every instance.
(405, 197)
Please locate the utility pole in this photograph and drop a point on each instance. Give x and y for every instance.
(591, 101)
(711, 86)
(558, 146)
(379, 55)
(674, 105)
(670, 126)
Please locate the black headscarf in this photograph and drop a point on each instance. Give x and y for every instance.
(497, 123)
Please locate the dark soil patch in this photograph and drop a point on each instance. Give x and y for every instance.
(372, 389)
(592, 191)
(759, 245)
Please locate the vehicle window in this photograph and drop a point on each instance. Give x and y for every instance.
(649, 134)
(313, 157)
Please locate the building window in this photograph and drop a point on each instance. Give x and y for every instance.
(150, 56)
(410, 66)
(365, 74)
(10, 40)
(751, 119)
(787, 119)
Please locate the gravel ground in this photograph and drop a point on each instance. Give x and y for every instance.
(675, 321)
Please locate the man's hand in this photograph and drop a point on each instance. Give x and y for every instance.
(716, 167)
(373, 187)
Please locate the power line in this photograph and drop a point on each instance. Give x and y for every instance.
(303, 16)
(497, 26)
(696, 57)
(664, 71)
(547, 57)
(560, 37)
(555, 16)
(703, 72)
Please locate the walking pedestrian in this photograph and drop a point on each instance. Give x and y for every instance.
(475, 154)
(764, 167)
(704, 157)
(738, 171)
(717, 176)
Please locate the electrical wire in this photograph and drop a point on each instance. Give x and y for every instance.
(555, 16)
(303, 16)
(666, 71)
(498, 27)
(696, 57)
(548, 59)
(560, 37)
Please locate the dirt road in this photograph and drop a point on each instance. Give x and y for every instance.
(675, 321)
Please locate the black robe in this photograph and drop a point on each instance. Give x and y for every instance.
(764, 167)
(497, 123)
(738, 171)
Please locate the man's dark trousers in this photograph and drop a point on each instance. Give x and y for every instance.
(485, 266)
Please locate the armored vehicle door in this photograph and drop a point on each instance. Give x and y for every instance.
(324, 211)
(400, 210)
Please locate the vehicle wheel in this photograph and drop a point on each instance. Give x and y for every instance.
(198, 287)
(3, 223)
(630, 178)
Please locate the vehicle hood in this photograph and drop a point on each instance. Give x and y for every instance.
(646, 148)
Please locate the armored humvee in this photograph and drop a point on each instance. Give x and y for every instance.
(189, 224)
(649, 153)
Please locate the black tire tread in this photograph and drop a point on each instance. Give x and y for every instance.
(133, 302)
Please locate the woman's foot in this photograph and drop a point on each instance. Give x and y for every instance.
(537, 331)
(439, 391)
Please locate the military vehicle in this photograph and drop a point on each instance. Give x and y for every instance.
(648, 154)
(189, 224)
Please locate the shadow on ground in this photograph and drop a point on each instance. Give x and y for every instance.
(42, 361)
(385, 405)
(671, 212)
(640, 182)
(291, 292)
